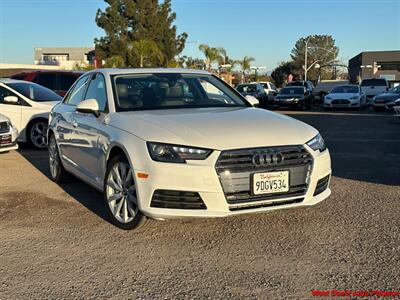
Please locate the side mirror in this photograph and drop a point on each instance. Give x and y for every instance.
(252, 100)
(89, 106)
(10, 99)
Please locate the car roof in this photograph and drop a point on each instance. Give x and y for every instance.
(114, 71)
(10, 80)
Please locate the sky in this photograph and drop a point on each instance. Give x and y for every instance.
(263, 29)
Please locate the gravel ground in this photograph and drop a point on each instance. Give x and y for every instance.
(55, 242)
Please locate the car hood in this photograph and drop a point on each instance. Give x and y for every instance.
(342, 95)
(387, 97)
(215, 128)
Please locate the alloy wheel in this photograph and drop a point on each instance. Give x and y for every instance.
(38, 135)
(53, 157)
(121, 193)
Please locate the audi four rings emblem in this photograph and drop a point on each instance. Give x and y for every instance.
(267, 158)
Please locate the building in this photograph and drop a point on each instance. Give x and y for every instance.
(375, 64)
(65, 58)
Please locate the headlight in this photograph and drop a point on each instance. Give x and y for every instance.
(176, 153)
(354, 98)
(317, 143)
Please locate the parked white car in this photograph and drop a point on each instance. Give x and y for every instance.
(8, 135)
(158, 145)
(269, 88)
(27, 105)
(345, 96)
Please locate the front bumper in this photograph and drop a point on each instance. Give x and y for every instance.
(342, 103)
(397, 111)
(8, 140)
(201, 177)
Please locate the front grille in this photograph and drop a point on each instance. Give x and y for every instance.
(340, 101)
(322, 185)
(4, 127)
(177, 200)
(235, 168)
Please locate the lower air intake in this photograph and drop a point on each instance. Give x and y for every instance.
(177, 200)
(322, 185)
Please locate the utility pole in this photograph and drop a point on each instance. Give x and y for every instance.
(305, 60)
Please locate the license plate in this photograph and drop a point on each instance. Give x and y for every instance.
(270, 182)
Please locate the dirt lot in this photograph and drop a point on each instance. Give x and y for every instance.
(55, 242)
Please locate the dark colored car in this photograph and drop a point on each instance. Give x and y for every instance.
(255, 90)
(293, 96)
(307, 84)
(57, 81)
(386, 100)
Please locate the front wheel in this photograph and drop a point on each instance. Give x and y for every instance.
(120, 195)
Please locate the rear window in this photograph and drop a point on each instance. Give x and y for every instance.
(374, 82)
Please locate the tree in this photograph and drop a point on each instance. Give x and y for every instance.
(280, 73)
(194, 63)
(245, 65)
(114, 62)
(127, 21)
(321, 50)
(146, 51)
(211, 54)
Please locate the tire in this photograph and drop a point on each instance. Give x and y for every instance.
(57, 172)
(37, 134)
(120, 196)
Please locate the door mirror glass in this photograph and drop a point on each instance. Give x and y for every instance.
(88, 106)
(252, 100)
(10, 99)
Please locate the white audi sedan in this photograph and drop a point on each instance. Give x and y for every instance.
(159, 145)
(345, 96)
(27, 105)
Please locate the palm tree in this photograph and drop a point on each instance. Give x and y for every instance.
(145, 50)
(245, 64)
(212, 54)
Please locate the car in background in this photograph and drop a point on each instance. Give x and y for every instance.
(293, 96)
(8, 135)
(27, 105)
(309, 86)
(324, 87)
(374, 87)
(57, 81)
(396, 108)
(269, 88)
(253, 89)
(159, 145)
(386, 101)
(345, 96)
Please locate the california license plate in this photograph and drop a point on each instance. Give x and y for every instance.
(270, 182)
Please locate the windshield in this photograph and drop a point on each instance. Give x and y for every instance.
(246, 88)
(374, 82)
(296, 83)
(292, 91)
(34, 91)
(345, 89)
(170, 90)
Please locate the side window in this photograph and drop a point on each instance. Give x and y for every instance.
(76, 94)
(273, 86)
(66, 81)
(214, 93)
(97, 90)
(46, 80)
(4, 93)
